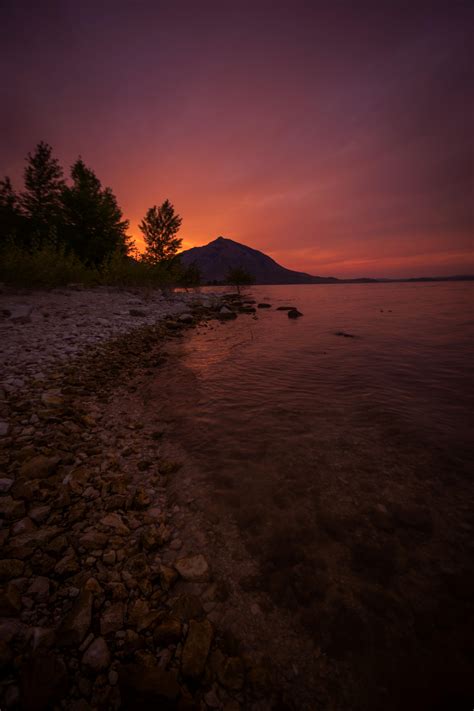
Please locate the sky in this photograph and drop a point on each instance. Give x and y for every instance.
(334, 136)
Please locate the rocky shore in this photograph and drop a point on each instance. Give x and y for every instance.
(102, 606)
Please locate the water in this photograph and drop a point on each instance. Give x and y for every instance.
(345, 464)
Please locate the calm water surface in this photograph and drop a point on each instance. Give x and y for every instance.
(346, 466)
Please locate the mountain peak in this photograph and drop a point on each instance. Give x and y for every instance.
(216, 258)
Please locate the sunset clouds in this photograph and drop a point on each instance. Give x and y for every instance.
(338, 140)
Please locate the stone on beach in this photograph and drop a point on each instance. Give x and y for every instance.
(196, 649)
(97, 655)
(76, 625)
(194, 568)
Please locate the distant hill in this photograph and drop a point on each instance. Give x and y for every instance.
(216, 258)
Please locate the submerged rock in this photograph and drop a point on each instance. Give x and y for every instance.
(193, 567)
(196, 649)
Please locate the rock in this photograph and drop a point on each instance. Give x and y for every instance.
(52, 398)
(138, 313)
(20, 314)
(11, 508)
(97, 656)
(112, 618)
(11, 568)
(25, 525)
(412, 516)
(93, 540)
(294, 313)
(43, 681)
(193, 568)
(68, 565)
(344, 334)
(41, 638)
(114, 520)
(196, 649)
(168, 632)
(286, 308)
(4, 428)
(186, 318)
(109, 557)
(264, 306)
(148, 687)
(151, 538)
(39, 589)
(10, 601)
(137, 566)
(5, 485)
(6, 655)
(168, 577)
(142, 499)
(187, 607)
(231, 673)
(76, 624)
(39, 467)
(226, 314)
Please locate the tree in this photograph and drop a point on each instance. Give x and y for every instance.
(41, 200)
(190, 276)
(93, 222)
(238, 276)
(160, 227)
(10, 218)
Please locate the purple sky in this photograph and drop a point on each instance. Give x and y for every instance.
(336, 136)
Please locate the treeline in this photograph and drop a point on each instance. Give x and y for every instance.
(54, 231)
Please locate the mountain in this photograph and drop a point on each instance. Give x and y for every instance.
(216, 258)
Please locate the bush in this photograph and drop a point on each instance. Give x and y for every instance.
(45, 267)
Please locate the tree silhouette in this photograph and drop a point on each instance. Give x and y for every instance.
(93, 222)
(10, 217)
(41, 200)
(159, 227)
(238, 276)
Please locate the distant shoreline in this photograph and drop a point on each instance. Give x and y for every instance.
(363, 280)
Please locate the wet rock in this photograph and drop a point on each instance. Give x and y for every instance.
(168, 632)
(112, 618)
(194, 568)
(43, 681)
(76, 624)
(186, 318)
(97, 656)
(344, 334)
(231, 673)
(187, 607)
(412, 516)
(11, 509)
(196, 649)
(39, 467)
(264, 306)
(10, 601)
(151, 687)
(226, 314)
(294, 313)
(11, 568)
(6, 655)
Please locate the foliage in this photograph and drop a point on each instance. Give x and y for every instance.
(160, 227)
(238, 276)
(190, 276)
(47, 266)
(41, 202)
(94, 227)
(10, 217)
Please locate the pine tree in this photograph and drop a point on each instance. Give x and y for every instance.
(10, 218)
(159, 227)
(94, 224)
(41, 200)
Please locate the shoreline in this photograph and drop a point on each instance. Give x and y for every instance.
(100, 604)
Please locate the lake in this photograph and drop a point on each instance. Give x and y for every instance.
(343, 465)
